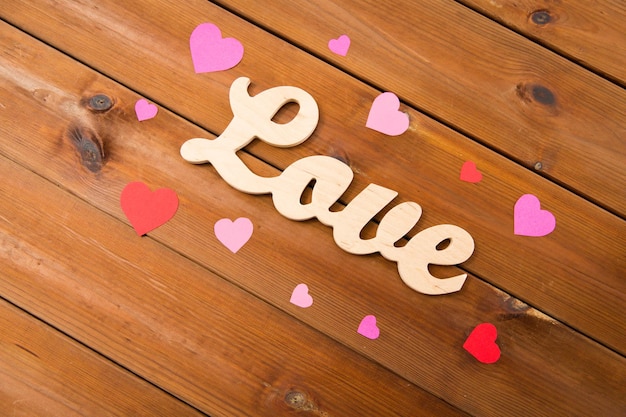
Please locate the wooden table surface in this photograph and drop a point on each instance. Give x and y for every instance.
(99, 321)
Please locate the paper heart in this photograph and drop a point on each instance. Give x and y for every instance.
(301, 297)
(340, 45)
(385, 117)
(145, 110)
(146, 210)
(470, 173)
(368, 327)
(481, 343)
(210, 52)
(530, 219)
(235, 234)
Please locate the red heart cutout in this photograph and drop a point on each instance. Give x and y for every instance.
(147, 210)
(481, 343)
(470, 173)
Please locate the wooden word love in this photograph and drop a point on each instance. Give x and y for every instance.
(253, 119)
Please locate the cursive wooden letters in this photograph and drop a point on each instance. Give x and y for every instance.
(252, 118)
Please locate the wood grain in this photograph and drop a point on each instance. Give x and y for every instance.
(546, 365)
(588, 246)
(483, 80)
(176, 324)
(589, 32)
(45, 373)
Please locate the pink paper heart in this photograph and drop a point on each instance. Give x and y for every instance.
(530, 220)
(301, 297)
(368, 327)
(146, 210)
(470, 173)
(210, 52)
(340, 45)
(235, 234)
(145, 110)
(481, 343)
(385, 117)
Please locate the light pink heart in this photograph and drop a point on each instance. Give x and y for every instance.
(235, 234)
(210, 52)
(145, 110)
(301, 297)
(385, 117)
(530, 219)
(368, 327)
(340, 45)
(469, 173)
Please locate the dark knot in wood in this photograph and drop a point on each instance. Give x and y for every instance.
(542, 95)
(541, 17)
(536, 92)
(301, 401)
(296, 399)
(89, 148)
(99, 103)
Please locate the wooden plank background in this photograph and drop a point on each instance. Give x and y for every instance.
(123, 57)
(44, 372)
(588, 32)
(216, 330)
(517, 93)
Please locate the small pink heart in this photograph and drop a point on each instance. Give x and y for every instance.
(481, 343)
(210, 52)
(470, 173)
(340, 45)
(235, 234)
(145, 110)
(530, 220)
(368, 327)
(301, 297)
(146, 210)
(385, 117)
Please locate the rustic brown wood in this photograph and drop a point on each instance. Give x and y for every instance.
(588, 246)
(176, 324)
(546, 366)
(45, 373)
(589, 32)
(476, 76)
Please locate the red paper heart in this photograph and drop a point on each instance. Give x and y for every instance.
(481, 343)
(146, 210)
(470, 173)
